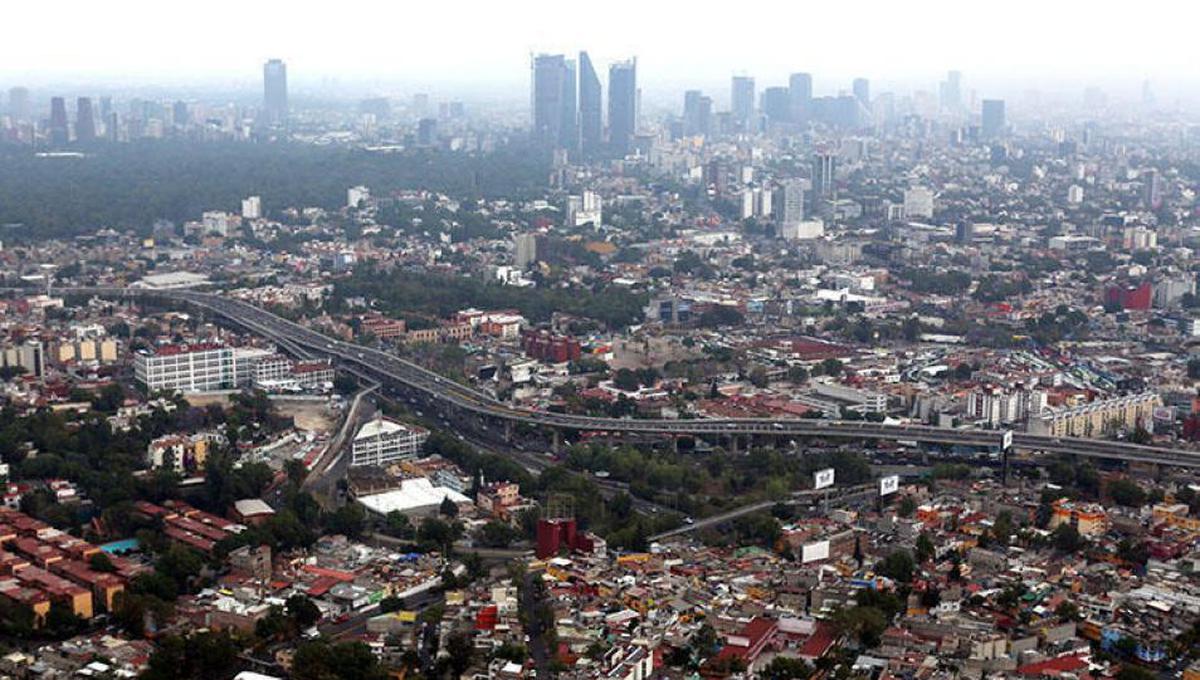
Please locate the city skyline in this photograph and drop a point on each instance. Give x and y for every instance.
(467, 57)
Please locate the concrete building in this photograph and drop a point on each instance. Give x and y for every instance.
(1097, 418)
(383, 441)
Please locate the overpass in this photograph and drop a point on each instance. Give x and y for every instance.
(392, 371)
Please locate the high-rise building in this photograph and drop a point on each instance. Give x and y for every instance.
(427, 132)
(553, 101)
(180, 115)
(800, 92)
(777, 104)
(789, 202)
(697, 113)
(60, 129)
(862, 92)
(591, 108)
(993, 118)
(951, 92)
(18, 104)
(524, 250)
(622, 105)
(824, 174)
(275, 92)
(252, 207)
(85, 120)
(918, 202)
(584, 209)
(741, 97)
(1152, 189)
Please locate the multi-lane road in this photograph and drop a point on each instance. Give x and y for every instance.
(392, 371)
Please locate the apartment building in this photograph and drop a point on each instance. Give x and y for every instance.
(384, 441)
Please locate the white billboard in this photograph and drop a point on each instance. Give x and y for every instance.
(823, 478)
(889, 485)
(1007, 442)
(811, 552)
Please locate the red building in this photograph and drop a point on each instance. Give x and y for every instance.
(1130, 297)
(554, 535)
(555, 349)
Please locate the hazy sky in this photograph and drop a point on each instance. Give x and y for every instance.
(460, 43)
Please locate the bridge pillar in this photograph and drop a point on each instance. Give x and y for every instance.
(555, 440)
(733, 443)
(508, 431)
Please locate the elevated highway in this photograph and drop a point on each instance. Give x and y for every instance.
(392, 371)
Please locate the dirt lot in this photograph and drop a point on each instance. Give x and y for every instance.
(309, 415)
(649, 351)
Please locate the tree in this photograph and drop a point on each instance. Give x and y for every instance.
(786, 668)
(797, 373)
(1126, 492)
(1066, 538)
(865, 623)
(496, 534)
(448, 508)
(626, 380)
(349, 520)
(302, 610)
(906, 507)
(831, 367)
(925, 548)
(1066, 611)
(898, 566)
(1131, 672)
(758, 377)
(102, 563)
(320, 660)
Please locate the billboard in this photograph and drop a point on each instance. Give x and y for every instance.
(1006, 443)
(811, 552)
(889, 485)
(823, 478)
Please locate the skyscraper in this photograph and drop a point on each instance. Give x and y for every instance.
(553, 115)
(591, 108)
(622, 105)
(18, 103)
(862, 92)
(993, 118)
(697, 113)
(800, 93)
(824, 172)
(951, 92)
(85, 120)
(180, 115)
(275, 92)
(789, 202)
(776, 104)
(741, 97)
(60, 129)
(569, 136)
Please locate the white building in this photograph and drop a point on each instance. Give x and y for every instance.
(185, 368)
(205, 367)
(804, 230)
(789, 202)
(1075, 194)
(252, 208)
(356, 196)
(584, 209)
(383, 441)
(30, 356)
(918, 202)
(218, 222)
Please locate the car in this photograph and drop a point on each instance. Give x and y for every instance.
(688, 520)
